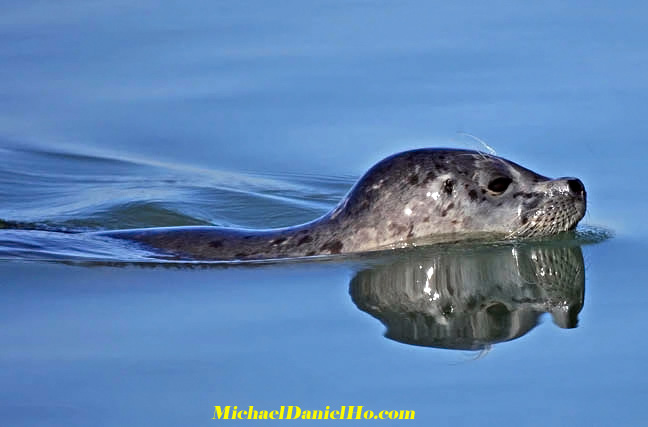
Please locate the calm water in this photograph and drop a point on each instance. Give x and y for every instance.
(245, 114)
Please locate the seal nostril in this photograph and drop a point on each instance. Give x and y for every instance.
(576, 186)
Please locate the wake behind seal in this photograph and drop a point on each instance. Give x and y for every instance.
(406, 197)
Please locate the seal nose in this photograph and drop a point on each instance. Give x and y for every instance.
(576, 187)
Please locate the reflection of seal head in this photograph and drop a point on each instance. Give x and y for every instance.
(473, 298)
(408, 196)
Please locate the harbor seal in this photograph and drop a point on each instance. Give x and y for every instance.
(403, 198)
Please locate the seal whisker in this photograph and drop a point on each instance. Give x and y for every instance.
(490, 149)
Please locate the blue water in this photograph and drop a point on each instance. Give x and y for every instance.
(256, 114)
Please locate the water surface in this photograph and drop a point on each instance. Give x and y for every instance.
(119, 115)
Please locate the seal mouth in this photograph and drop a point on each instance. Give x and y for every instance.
(551, 218)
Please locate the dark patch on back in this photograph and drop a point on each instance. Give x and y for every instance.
(445, 211)
(333, 246)
(310, 253)
(448, 186)
(216, 244)
(473, 195)
(241, 255)
(524, 219)
(410, 232)
(430, 176)
(413, 179)
(305, 239)
(398, 228)
(426, 219)
(278, 241)
(354, 206)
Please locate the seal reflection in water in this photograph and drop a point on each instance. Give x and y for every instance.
(407, 197)
(471, 299)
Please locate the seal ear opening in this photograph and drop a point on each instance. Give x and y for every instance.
(499, 185)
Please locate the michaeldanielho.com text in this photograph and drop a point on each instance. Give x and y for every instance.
(296, 413)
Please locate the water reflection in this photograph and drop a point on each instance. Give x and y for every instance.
(470, 299)
(455, 296)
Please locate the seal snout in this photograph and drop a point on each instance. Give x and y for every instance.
(576, 190)
(576, 187)
(572, 186)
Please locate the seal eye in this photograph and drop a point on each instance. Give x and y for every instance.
(499, 185)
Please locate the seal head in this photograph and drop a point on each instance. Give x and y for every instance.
(427, 192)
